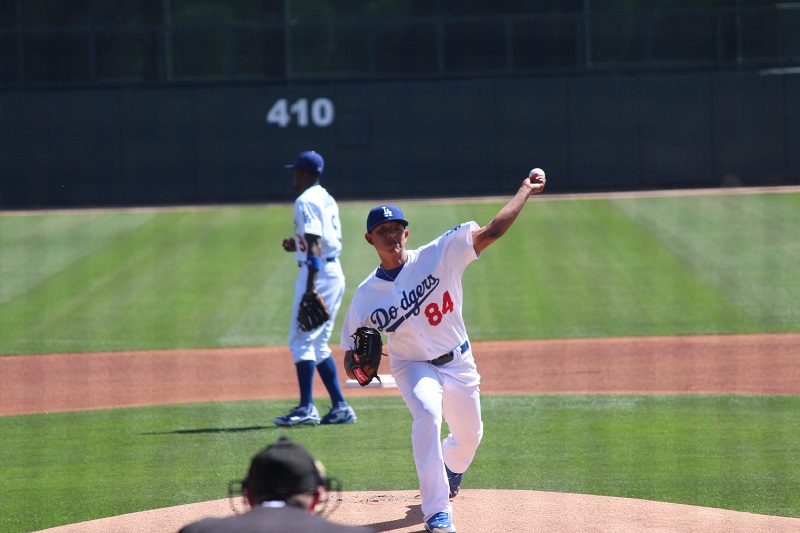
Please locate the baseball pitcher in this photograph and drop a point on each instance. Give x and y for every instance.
(414, 298)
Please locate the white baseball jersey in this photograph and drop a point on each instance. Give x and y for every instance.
(420, 311)
(316, 212)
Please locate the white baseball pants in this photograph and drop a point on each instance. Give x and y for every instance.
(432, 392)
(313, 345)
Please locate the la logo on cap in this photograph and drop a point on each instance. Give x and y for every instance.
(384, 213)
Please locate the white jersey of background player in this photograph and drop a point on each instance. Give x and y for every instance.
(316, 244)
(414, 297)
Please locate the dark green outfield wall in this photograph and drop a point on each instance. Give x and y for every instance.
(154, 146)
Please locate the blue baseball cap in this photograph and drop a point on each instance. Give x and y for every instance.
(310, 161)
(384, 213)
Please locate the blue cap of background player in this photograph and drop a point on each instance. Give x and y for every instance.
(310, 161)
(384, 213)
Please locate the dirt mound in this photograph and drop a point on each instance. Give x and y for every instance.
(481, 511)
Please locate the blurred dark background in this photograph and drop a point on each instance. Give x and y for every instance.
(154, 102)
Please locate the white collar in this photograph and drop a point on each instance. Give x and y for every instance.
(275, 504)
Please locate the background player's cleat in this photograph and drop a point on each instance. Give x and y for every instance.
(454, 480)
(341, 414)
(302, 414)
(440, 523)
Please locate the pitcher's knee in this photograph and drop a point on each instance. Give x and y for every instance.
(471, 440)
(466, 441)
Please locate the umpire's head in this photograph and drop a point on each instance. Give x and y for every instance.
(284, 471)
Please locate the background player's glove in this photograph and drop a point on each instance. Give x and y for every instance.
(366, 358)
(313, 312)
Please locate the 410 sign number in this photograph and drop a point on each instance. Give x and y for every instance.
(319, 113)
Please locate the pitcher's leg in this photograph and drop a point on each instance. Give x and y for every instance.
(461, 405)
(418, 383)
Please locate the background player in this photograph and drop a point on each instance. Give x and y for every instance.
(415, 298)
(316, 244)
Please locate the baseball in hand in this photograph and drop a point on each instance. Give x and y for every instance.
(536, 173)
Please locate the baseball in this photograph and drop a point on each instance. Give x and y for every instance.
(536, 172)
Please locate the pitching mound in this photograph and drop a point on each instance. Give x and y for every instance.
(481, 511)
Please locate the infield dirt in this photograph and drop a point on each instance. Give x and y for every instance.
(737, 364)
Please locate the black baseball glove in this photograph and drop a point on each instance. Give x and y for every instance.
(313, 311)
(366, 355)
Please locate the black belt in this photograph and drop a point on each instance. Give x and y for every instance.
(449, 356)
(327, 260)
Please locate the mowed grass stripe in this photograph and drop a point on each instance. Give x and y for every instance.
(583, 269)
(567, 268)
(34, 248)
(743, 245)
(183, 279)
(731, 452)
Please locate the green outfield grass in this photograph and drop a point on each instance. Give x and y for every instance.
(217, 277)
(574, 268)
(733, 452)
